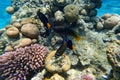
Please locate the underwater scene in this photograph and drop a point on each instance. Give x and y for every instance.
(59, 40)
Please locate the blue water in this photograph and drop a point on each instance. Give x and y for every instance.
(4, 16)
(109, 6)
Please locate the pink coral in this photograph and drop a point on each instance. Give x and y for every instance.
(87, 77)
(18, 64)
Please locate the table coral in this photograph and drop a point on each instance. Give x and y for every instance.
(17, 65)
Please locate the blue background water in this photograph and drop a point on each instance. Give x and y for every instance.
(4, 16)
(109, 6)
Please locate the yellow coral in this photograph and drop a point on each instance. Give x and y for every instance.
(54, 65)
(55, 77)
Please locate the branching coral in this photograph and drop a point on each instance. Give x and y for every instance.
(17, 65)
(57, 65)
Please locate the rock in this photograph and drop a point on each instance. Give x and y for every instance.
(59, 16)
(99, 26)
(83, 12)
(28, 20)
(30, 30)
(25, 42)
(17, 25)
(12, 32)
(105, 16)
(34, 40)
(9, 48)
(55, 77)
(10, 10)
(111, 22)
(13, 18)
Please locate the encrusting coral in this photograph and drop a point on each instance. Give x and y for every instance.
(71, 12)
(18, 64)
(57, 65)
(55, 77)
(113, 55)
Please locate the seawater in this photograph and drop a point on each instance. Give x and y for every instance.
(109, 6)
(4, 16)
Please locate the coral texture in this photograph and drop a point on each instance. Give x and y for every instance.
(57, 65)
(30, 30)
(71, 12)
(56, 77)
(12, 32)
(17, 65)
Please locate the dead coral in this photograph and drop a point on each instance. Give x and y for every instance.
(113, 55)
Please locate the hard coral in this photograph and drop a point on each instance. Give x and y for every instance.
(18, 64)
(55, 77)
(30, 30)
(71, 12)
(57, 65)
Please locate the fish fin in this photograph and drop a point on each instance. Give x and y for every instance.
(48, 25)
(73, 47)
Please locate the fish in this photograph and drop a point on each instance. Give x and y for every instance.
(67, 43)
(44, 19)
(46, 23)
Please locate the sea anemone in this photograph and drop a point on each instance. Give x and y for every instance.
(18, 64)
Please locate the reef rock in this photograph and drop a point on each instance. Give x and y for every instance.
(110, 22)
(12, 32)
(71, 12)
(30, 30)
(113, 55)
(10, 10)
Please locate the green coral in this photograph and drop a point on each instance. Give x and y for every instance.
(71, 12)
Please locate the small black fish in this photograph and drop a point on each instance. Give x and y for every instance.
(67, 43)
(45, 21)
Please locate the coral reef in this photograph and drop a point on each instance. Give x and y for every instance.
(61, 64)
(30, 30)
(113, 55)
(12, 32)
(18, 64)
(71, 12)
(10, 10)
(55, 77)
(96, 56)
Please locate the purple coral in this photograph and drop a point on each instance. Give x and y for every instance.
(17, 65)
(87, 77)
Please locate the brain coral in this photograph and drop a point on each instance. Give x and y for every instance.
(71, 12)
(18, 64)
